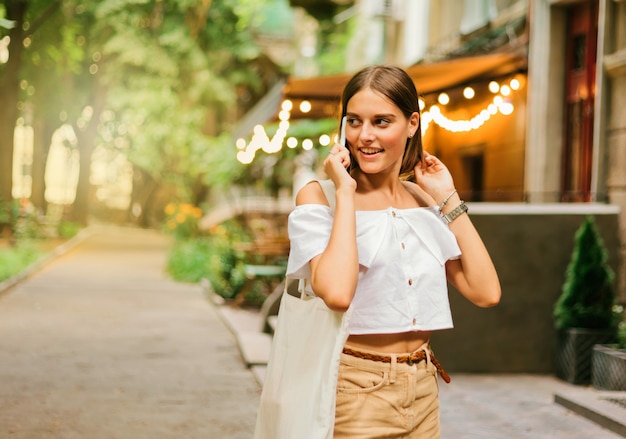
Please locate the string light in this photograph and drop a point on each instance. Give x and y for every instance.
(292, 142)
(305, 106)
(241, 143)
(501, 103)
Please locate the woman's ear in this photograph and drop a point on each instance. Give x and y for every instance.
(414, 121)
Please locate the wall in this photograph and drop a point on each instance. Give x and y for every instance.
(531, 246)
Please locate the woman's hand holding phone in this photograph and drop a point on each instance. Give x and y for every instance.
(338, 159)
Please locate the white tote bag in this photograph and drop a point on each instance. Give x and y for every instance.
(299, 392)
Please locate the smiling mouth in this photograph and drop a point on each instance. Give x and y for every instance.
(370, 151)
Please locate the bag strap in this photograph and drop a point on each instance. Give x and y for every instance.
(329, 191)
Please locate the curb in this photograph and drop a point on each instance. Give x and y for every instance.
(11, 282)
(246, 326)
(604, 408)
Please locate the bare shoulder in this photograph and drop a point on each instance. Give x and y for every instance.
(419, 194)
(311, 193)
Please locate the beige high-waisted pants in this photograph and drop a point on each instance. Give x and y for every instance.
(387, 400)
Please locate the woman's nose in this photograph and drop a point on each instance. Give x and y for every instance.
(367, 132)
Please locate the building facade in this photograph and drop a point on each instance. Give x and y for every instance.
(576, 130)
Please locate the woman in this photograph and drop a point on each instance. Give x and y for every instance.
(387, 251)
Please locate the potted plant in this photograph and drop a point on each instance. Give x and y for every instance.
(584, 311)
(608, 361)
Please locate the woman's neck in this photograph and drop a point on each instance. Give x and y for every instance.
(376, 192)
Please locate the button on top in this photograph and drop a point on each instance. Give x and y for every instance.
(393, 213)
(410, 281)
(403, 246)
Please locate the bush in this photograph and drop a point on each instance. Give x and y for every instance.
(618, 311)
(67, 229)
(13, 260)
(214, 257)
(587, 296)
(8, 210)
(182, 220)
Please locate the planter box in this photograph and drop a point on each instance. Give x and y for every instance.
(574, 349)
(608, 367)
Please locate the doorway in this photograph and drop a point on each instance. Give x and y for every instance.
(580, 83)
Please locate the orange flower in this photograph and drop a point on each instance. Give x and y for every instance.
(170, 209)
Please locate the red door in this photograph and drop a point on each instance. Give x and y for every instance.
(582, 35)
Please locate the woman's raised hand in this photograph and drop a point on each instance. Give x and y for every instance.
(433, 177)
(336, 164)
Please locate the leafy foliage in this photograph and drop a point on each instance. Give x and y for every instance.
(14, 260)
(182, 220)
(162, 82)
(587, 297)
(214, 257)
(68, 229)
(621, 335)
(171, 67)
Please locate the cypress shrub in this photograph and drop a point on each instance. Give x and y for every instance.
(587, 295)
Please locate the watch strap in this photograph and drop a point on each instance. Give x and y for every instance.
(455, 213)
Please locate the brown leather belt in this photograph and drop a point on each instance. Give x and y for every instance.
(410, 359)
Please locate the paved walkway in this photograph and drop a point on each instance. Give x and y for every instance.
(101, 344)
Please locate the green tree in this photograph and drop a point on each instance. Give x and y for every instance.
(15, 12)
(588, 297)
(41, 82)
(58, 72)
(161, 82)
(176, 76)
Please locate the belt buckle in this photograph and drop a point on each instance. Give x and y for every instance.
(409, 360)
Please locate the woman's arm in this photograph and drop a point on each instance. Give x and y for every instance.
(334, 273)
(474, 274)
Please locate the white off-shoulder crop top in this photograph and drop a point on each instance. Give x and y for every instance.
(402, 253)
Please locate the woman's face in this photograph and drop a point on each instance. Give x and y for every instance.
(377, 132)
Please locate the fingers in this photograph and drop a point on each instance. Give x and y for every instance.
(341, 154)
(337, 148)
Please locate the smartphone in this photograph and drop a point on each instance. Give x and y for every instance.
(342, 132)
(342, 136)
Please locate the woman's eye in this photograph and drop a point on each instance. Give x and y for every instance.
(382, 122)
(352, 121)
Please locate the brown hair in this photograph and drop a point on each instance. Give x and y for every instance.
(395, 84)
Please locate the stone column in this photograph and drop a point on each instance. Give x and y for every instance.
(544, 138)
(614, 63)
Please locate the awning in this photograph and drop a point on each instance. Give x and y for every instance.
(324, 92)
